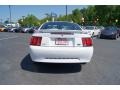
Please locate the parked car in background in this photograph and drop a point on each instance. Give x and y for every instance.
(61, 42)
(91, 30)
(110, 32)
(12, 29)
(7, 29)
(36, 29)
(18, 29)
(100, 28)
(2, 27)
(33, 29)
(25, 29)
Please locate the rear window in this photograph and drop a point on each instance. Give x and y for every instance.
(61, 25)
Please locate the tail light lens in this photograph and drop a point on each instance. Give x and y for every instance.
(36, 41)
(87, 42)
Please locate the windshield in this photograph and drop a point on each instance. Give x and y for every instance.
(89, 28)
(111, 28)
(100, 27)
(61, 25)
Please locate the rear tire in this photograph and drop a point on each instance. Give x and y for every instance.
(98, 36)
(118, 36)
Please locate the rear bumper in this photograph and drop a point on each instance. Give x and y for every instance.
(61, 54)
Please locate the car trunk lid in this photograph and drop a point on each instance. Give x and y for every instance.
(61, 38)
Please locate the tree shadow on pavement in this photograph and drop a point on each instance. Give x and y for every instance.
(28, 65)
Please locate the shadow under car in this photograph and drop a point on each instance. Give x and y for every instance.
(56, 68)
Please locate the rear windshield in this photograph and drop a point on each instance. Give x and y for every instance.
(61, 25)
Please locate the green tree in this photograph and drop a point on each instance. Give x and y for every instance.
(29, 21)
(61, 18)
(76, 16)
(106, 14)
(91, 15)
(6, 22)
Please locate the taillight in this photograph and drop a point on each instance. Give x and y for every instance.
(36, 41)
(87, 42)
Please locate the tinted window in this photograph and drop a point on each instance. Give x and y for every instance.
(110, 28)
(61, 25)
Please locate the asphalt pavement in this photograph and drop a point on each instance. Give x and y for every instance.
(16, 66)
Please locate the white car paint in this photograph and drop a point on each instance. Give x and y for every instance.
(92, 32)
(49, 52)
(12, 29)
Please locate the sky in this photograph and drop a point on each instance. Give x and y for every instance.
(17, 11)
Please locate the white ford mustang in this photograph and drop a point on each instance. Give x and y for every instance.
(61, 42)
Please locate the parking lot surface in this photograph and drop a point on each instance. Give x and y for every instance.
(16, 66)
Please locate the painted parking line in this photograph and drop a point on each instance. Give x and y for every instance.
(8, 38)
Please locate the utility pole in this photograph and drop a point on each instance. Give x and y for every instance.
(66, 12)
(10, 13)
(53, 16)
(1, 20)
